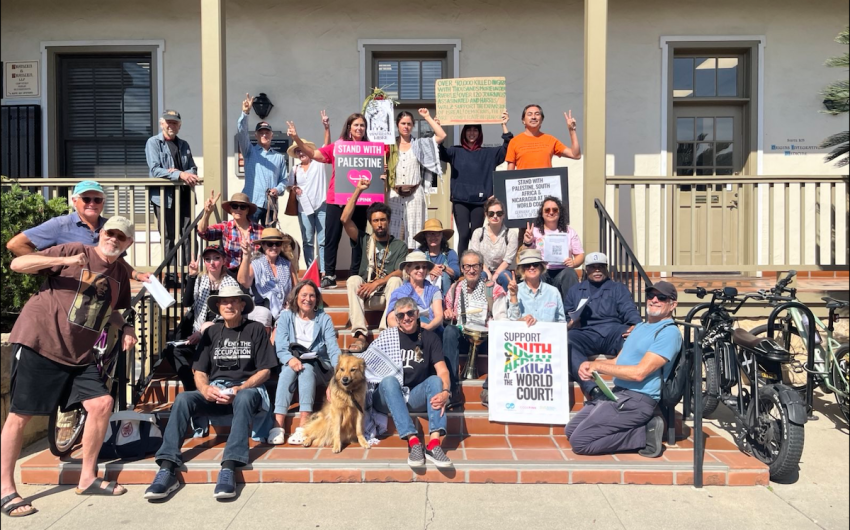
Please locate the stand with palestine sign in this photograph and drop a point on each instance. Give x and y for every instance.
(354, 161)
(529, 380)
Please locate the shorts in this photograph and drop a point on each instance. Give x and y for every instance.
(39, 384)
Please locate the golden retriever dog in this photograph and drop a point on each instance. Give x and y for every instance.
(341, 418)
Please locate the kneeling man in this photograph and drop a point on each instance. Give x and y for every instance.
(628, 424)
(235, 358)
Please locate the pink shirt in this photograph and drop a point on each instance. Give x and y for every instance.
(575, 243)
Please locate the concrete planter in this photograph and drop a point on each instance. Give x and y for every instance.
(37, 427)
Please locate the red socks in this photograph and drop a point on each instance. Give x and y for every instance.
(433, 443)
(413, 440)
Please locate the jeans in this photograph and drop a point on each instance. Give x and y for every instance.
(310, 224)
(388, 399)
(455, 344)
(260, 216)
(245, 406)
(603, 426)
(306, 389)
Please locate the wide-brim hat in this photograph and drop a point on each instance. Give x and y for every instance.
(293, 147)
(433, 225)
(270, 234)
(530, 256)
(230, 291)
(415, 257)
(239, 197)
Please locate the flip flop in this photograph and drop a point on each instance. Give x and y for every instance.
(9, 508)
(96, 488)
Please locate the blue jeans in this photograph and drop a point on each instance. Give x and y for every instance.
(245, 406)
(388, 399)
(306, 389)
(260, 216)
(310, 224)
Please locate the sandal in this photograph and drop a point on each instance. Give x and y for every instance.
(359, 344)
(96, 488)
(297, 437)
(8, 508)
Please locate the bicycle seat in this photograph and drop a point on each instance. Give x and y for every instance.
(832, 303)
(762, 346)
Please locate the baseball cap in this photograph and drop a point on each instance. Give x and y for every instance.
(87, 185)
(116, 222)
(262, 125)
(171, 115)
(665, 288)
(595, 258)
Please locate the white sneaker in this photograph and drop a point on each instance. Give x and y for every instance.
(277, 436)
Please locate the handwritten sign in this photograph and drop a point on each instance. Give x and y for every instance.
(470, 100)
(354, 161)
(522, 192)
(21, 79)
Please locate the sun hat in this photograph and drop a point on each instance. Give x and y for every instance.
(122, 224)
(270, 234)
(596, 258)
(171, 115)
(239, 197)
(293, 147)
(530, 256)
(665, 288)
(433, 225)
(415, 257)
(88, 185)
(230, 291)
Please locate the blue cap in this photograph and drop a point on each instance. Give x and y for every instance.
(87, 185)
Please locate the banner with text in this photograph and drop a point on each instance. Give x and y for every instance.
(355, 161)
(470, 100)
(529, 379)
(380, 125)
(522, 192)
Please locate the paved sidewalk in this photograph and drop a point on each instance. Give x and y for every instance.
(818, 499)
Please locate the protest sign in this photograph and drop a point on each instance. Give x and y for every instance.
(529, 379)
(522, 192)
(470, 100)
(380, 126)
(355, 161)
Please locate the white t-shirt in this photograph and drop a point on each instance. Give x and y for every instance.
(313, 184)
(304, 330)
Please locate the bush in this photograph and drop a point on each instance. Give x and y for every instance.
(21, 210)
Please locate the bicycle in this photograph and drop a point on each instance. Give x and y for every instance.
(770, 415)
(65, 425)
(830, 368)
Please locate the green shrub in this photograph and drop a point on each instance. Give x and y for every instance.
(21, 210)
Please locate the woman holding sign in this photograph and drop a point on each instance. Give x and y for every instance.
(354, 130)
(405, 168)
(533, 149)
(558, 242)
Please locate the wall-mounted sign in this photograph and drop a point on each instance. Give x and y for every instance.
(280, 143)
(20, 79)
(470, 100)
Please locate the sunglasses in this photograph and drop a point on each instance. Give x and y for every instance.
(659, 296)
(495, 214)
(419, 266)
(273, 243)
(211, 259)
(551, 210)
(409, 314)
(533, 266)
(88, 200)
(467, 267)
(115, 234)
(238, 206)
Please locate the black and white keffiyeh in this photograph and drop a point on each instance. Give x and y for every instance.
(383, 359)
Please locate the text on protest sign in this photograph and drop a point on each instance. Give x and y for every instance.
(379, 120)
(522, 192)
(470, 100)
(355, 161)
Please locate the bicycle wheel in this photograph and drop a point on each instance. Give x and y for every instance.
(774, 439)
(841, 379)
(710, 385)
(789, 338)
(64, 429)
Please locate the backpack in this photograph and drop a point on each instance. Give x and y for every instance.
(131, 436)
(673, 387)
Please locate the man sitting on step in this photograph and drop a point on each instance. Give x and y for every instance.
(234, 359)
(602, 314)
(606, 426)
(379, 272)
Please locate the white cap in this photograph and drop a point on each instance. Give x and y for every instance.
(595, 258)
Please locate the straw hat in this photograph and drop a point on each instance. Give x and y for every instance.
(433, 225)
(239, 197)
(230, 291)
(270, 234)
(293, 147)
(415, 257)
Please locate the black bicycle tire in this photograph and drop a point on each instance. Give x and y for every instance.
(710, 400)
(843, 404)
(63, 450)
(791, 439)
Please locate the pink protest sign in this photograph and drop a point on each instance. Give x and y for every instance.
(354, 161)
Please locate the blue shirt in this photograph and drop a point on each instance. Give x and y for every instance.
(64, 229)
(610, 308)
(643, 339)
(429, 294)
(448, 259)
(263, 169)
(161, 165)
(546, 305)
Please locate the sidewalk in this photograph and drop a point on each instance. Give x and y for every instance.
(818, 499)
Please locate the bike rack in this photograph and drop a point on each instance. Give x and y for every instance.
(696, 389)
(810, 346)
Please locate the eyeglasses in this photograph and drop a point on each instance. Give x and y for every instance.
(211, 259)
(96, 200)
(115, 234)
(238, 206)
(661, 297)
(551, 210)
(412, 313)
(273, 243)
(495, 214)
(419, 266)
(467, 267)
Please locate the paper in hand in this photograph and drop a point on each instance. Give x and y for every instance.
(576, 314)
(159, 293)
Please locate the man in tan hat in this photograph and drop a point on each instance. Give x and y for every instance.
(264, 165)
(434, 242)
(232, 232)
(53, 340)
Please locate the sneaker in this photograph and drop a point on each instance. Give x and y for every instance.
(328, 281)
(277, 436)
(415, 455)
(163, 485)
(485, 399)
(438, 457)
(654, 438)
(225, 488)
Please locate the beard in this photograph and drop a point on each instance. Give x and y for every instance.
(655, 312)
(110, 252)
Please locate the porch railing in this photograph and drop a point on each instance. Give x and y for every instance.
(733, 223)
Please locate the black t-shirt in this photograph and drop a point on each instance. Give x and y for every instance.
(175, 153)
(235, 354)
(417, 368)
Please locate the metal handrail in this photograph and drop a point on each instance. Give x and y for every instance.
(727, 179)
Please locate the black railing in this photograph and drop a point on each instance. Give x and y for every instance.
(623, 265)
(20, 148)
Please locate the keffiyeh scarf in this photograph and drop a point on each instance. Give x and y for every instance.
(383, 359)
